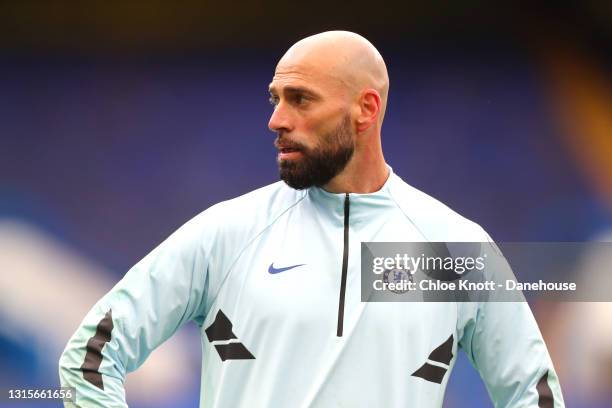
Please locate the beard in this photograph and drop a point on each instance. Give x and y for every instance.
(317, 166)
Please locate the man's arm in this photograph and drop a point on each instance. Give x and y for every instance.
(504, 343)
(160, 293)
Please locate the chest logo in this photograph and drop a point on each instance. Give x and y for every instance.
(274, 270)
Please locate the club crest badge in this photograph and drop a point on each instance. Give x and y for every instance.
(397, 276)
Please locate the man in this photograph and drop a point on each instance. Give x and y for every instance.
(272, 278)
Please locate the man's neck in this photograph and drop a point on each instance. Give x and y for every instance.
(360, 176)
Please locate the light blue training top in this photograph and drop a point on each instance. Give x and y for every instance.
(262, 276)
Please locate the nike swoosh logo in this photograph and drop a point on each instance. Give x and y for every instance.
(274, 270)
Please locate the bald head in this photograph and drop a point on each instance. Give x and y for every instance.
(348, 59)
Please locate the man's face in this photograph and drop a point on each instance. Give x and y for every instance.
(315, 136)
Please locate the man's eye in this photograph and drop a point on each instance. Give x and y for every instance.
(300, 99)
(273, 100)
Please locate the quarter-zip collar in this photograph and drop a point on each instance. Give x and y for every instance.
(362, 205)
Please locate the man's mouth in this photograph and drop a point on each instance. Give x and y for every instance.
(285, 153)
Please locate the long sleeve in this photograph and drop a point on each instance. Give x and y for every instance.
(505, 345)
(160, 293)
(503, 342)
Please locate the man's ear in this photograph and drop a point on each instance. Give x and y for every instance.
(369, 109)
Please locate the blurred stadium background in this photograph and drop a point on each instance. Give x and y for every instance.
(119, 121)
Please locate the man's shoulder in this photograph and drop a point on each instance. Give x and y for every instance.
(436, 220)
(251, 212)
(267, 201)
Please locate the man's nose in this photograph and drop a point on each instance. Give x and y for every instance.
(280, 121)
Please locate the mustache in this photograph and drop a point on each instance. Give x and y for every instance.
(283, 143)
